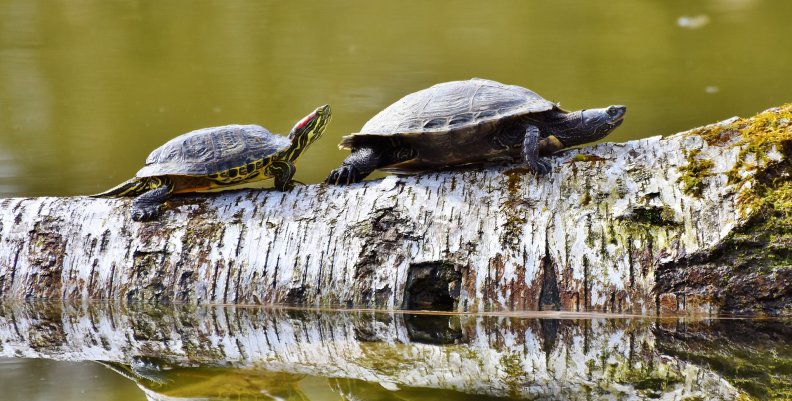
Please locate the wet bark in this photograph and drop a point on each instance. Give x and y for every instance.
(592, 235)
(166, 349)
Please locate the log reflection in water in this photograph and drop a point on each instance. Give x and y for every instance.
(754, 355)
(559, 356)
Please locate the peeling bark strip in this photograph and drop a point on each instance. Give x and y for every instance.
(496, 356)
(588, 236)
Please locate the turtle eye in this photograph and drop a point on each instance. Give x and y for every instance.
(614, 111)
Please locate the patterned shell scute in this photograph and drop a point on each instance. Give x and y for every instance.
(211, 150)
(454, 105)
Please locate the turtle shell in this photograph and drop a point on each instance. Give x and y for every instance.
(451, 107)
(451, 124)
(212, 150)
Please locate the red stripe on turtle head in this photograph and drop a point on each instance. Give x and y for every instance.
(302, 123)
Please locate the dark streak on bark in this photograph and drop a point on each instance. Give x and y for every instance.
(228, 279)
(630, 264)
(91, 279)
(586, 285)
(14, 268)
(215, 277)
(242, 232)
(275, 274)
(319, 276)
(112, 278)
(238, 292)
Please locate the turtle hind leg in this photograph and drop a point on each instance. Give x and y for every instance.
(364, 160)
(148, 206)
(360, 163)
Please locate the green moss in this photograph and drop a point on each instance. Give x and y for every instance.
(767, 198)
(649, 380)
(586, 158)
(515, 375)
(773, 201)
(753, 371)
(694, 173)
(514, 178)
(758, 136)
(586, 199)
(770, 225)
(384, 358)
(764, 186)
(660, 216)
(769, 127)
(514, 206)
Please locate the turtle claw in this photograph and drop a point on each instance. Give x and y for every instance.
(287, 186)
(146, 213)
(540, 167)
(149, 205)
(343, 175)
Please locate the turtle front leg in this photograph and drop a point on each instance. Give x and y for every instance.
(356, 166)
(148, 206)
(283, 171)
(531, 151)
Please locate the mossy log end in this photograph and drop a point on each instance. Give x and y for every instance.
(698, 222)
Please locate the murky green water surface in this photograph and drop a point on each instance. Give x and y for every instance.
(88, 88)
(104, 352)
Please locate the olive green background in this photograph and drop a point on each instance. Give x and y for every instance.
(89, 87)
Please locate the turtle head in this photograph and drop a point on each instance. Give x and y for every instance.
(312, 126)
(308, 130)
(590, 125)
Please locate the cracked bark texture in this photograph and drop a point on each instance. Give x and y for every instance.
(588, 236)
(557, 357)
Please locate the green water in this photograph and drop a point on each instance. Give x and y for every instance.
(88, 88)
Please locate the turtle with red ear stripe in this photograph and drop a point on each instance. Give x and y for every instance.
(217, 158)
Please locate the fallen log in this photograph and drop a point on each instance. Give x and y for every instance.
(696, 222)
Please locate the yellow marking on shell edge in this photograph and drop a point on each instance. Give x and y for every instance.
(241, 174)
(264, 182)
(192, 189)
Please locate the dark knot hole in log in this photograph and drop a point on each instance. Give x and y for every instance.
(549, 297)
(432, 285)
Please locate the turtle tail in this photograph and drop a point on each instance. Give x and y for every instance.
(133, 187)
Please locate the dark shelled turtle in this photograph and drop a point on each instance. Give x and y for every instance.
(463, 122)
(218, 157)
